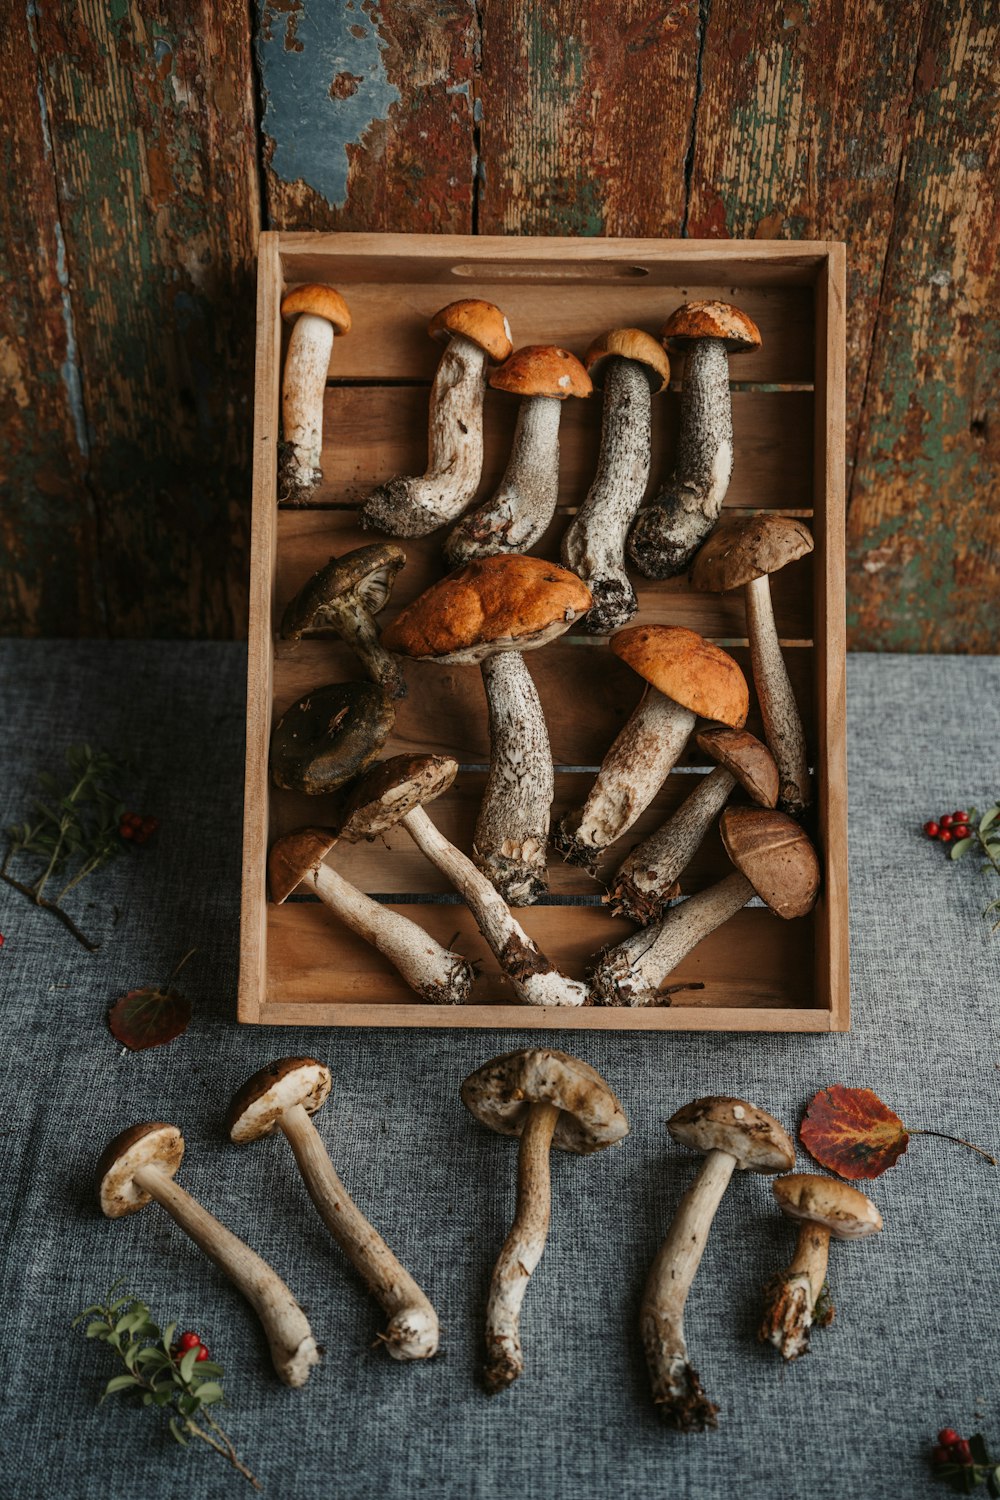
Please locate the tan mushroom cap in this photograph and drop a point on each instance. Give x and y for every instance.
(683, 666)
(501, 1092)
(264, 1098)
(390, 790)
(629, 343)
(747, 758)
(481, 322)
(542, 370)
(154, 1144)
(775, 855)
(739, 551)
(711, 320)
(322, 301)
(293, 856)
(756, 1139)
(841, 1209)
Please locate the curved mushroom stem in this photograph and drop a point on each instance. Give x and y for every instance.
(303, 388)
(594, 545)
(522, 1250)
(778, 709)
(793, 1295)
(358, 630)
(413, 507)
(676, 1388)
(668, 532)
(520, 511)
(646, 881)
(412, 1332)
(293, 1348)
(512, 829)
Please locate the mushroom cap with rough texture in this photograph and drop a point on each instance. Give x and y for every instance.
(841, 1209)
(711, 320)
(293, 856)
(633, 344)
(390, 790)
(775, 855)
(501, 1092)
(756, 1139)
(154, 1144)
(737, 552)
(264, 1098)
(481, 322)
(542, 370)
(747, 758)
(322, 301)
(329, 736)
(367, 574)
(683, 666)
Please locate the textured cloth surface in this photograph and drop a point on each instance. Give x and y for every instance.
(914, 1344)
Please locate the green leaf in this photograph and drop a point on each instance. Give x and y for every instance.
(989, 817)
(208, 1367)
(962, 847)
(118, 1383)
(188, 1405)
(210, 1392)
(978, 1449)
(153, 1357)
(188, 1363)
(131, 1320)
(175, 1428)
(98, 1329)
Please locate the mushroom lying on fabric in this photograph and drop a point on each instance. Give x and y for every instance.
(140, 1165)
(329, 736)
(283, 1096)
(344, 597)
(519, 513)
(548, 1099)
(668, 532)
(474, 333)
(318, 313)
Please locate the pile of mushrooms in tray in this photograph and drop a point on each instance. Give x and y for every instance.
(495, 601)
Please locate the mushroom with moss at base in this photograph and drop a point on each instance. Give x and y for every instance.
(329, 736)
(344, 597)
(318, 312)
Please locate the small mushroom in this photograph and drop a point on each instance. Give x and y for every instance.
(519, 513)
(282, 1097)
(731, 1134)
(668, 532)
(548, 1099)
(631, 366)
(797, 1298)
(743, 554)
(774, 860)
(435, 974)
(687, 676)
(345, 597)
(139, 1165)
(318, 313)
(474, 332)
(329, 736)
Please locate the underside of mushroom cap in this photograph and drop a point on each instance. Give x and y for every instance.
(738, 551)
(367, 573)
(502, 1091)
(711, 320)
(747, 758)
(320, 300)
(258, 1106)
(775, 855)
(542, 370)
(683, 666)
(836, 1206)
(390, 790)
(154, 1144)
(720, 1123)
(633, 344)
(329, 736)
(293, 856)
(481, 322)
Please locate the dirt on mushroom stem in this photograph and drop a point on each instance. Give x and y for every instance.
(519, 512)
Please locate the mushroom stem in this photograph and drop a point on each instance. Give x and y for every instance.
(293, 1348)
(412, 1332)
(522, 1250)
(793, 1295)
(782, 722)
(646, 880)
(676, 1388)
(521, 509)
(359, 631)
(303, 388)
(512, 829)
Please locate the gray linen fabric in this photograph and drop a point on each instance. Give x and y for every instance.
(914, 1344)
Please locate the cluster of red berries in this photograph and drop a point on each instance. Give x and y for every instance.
(952, 826)
(138, 830)
(186, 1343)
(952, 1449)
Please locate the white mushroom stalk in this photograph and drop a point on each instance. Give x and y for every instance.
(512, 829)
(319, 313)
(522, 508)
(778, 709)
(648, 878)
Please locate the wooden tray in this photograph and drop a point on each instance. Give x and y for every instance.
(760, 974)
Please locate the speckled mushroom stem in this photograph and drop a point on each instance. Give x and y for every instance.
(782, 721)
(293, 1348)
(792, 1296)
(594, 545)
(522, 1250)
(359, 631)
(520, 511)
(668, 532)
(512, 829)
(647, 880)
(307, 362)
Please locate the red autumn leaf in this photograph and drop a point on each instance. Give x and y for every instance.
(852, 1132)
(149, 1017)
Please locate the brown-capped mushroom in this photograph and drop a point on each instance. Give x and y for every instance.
(668, 532)
(140, 1165)
(731, 1134)
(474, 333)
(318, 313)
(548, 1099)
(329, 736)
(283, 1096)
(823, 1207)
(344, 597)
(521, 509)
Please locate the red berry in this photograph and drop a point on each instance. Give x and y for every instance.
(2, 940)
(947, 820)
(188, 1341)
(201, 1355)
(127, 831)
(961, 1452)
(960, 817)
(941, 1456)
(932, 830)
(961, 830)
(945, 835)
(947, 1436)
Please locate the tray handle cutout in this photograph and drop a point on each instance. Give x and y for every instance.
(522, 270)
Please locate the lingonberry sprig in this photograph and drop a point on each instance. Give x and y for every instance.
(968, 832)
(965, 1463)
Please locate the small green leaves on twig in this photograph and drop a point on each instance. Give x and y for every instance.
(151, 1016)
(967, 832)
(965, 1463)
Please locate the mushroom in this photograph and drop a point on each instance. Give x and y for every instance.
(646, 881)
(797, 1298)
(548, 1099)
(139, 1165)
(474, 332)
(318, 313)
(282, 1097)
(521, 509)
(687, 676)
(631, 366)
(774, 860)
(435, 974)
(345, 597)
(395, 791)
(329, 736)
(489, 612)
(730, 1133)
(743, 554)
(668, 532)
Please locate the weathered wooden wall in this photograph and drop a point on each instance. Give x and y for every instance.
(144, 141)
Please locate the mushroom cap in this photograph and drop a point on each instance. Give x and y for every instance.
(154, 1144)
(841, 1209)
(294, 856)
(390, 790)
(711, 320)
(747, 758)
(320, 300)
(365, 576)
(739, 551)
(481, 322)
(683, 666)
(542, 370)
(501, 1092)
(756, 1139)
(329, 736)
(501, 603)
(264, 1098)
(775, 855)
(629, 343)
